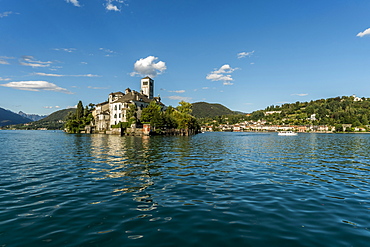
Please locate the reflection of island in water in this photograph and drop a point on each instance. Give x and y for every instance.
(131, 165)
(118, 157)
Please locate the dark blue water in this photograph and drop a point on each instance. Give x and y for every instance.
(212, 189)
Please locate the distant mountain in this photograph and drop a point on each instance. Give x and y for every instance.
(8, 117)
(203, 109)
(54, 121)
(33, 117)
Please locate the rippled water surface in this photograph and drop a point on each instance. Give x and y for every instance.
(212, 189)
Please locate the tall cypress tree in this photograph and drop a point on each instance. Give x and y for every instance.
(80, 110)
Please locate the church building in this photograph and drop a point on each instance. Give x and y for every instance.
(115, 110)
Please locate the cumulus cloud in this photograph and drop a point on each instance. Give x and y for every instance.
(114, 5)
(74, 2)
(362, 34)
(180, 98)
(221, 74)
(245, 54)
(58, 75)
(30, 61)
(148, 67)
(111, 7)
(35, 86)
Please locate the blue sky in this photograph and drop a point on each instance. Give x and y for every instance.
(244, 54)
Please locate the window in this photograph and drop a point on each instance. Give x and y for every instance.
(115, 107)
(115, 115)
(145, 83)
(119, 107)
(119, 115)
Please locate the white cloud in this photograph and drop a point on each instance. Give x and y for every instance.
(362, 34)
(65, 49)
(57, 106)
(114, 7)
(147, 67)
(35, 86)
(174, 91)
(44, 74)
(111, 7)
(4, 79)
(48, 107)
(97, 87)
(74, 2)
(108, 53)
(177, 91)
(179, 98)
(219, 75)
(58, 75)
(6, 14)
(3, 61)
(245, 54)
(300, 94)
(29, 61)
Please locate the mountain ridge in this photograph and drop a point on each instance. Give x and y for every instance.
(8, 117)
(204, 110)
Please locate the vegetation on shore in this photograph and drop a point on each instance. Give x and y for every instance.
(336, 112)
(159, 118)
(332, 111)
(76, 121)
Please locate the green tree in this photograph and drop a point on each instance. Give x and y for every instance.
(79, 110)
(184, 107)
(131, 115)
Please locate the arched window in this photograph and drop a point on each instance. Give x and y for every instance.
(115, 107)
(115, 115)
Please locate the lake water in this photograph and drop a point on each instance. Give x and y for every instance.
(211, 189)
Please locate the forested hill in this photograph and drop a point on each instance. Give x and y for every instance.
(331, 111)
(208, 110)
(55, 120)
(7, 117)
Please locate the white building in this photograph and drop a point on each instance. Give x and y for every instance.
(116, 108)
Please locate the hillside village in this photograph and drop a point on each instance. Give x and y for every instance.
(340, 114)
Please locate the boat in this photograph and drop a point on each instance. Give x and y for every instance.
(287, 133)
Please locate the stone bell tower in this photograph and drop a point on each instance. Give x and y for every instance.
(147, 86)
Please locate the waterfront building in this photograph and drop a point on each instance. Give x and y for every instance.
(115, 109)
